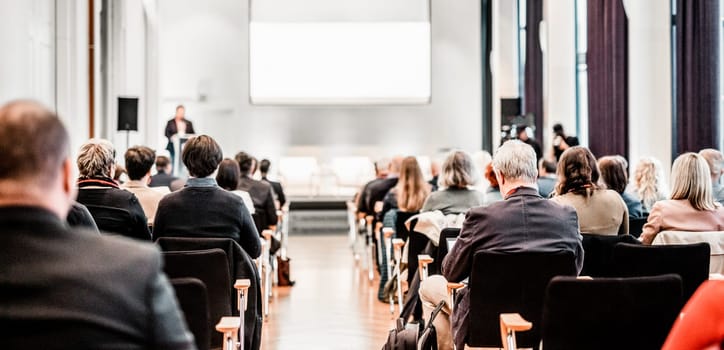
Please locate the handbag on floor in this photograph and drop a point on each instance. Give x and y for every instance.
(283, 272)
(428, 338)
(414, 335)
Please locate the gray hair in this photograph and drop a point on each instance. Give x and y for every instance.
(714, 159)
(95, 158)
(516, 160)
(458, 171)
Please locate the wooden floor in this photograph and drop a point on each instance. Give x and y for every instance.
(332, 306)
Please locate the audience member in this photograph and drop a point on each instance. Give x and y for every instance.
(120, 176)
(522, 131)
(114, 210)
(493, 194)
(202, 208)
(614, 174)
(523, 222)
(701, 323)
(411, 190)
(600, 211)
(456, 194)
(715, 160)
(546, 177)
(64, 288)
(435, 172)
(264, 166)
(139, 160)
(382, 168)
(691, 207)
(80, 217)
(227, 177)
(163, 175)
(261, 192)
(377, 191)
(649, 183)
(561, 141)
(481, 159)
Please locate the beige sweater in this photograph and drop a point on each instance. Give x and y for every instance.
(603, 212)
(679, 215)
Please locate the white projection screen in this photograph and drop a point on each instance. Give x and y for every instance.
(319, 52)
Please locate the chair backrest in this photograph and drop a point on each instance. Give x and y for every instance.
(445, 234)
(636, 225)
(193, 301)
(118, 221)
(610, 313)
(715, 239)
(689, 261)
(598, 254)
(240, 266)
(508, 283)
(401, 231)
(416, 243)
(210, 267)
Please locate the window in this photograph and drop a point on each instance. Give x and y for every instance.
(581, 9)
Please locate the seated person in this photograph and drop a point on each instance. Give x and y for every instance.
(264, 166)
(163, 175)
(546, 177)
(79, 216)
(139, 161)
(600, 211)
(614, 174)
(715, 159)
(649, 184)
(455, 194)
(522, 222)
(202, 208)
(492, 194)
(691, 207)
(114, 210)
(65, 288)
(227, 177)
(382, 167)
(261, 192)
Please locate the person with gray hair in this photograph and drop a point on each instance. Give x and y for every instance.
(114, 210)
(522, 222)
(63, 287)
(455, 193)
(715, 160)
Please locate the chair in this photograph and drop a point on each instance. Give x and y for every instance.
(607, 313)
(689, 261)
(442, 248)
(118, 221)
(636, 225)
(715, 239)
(241, 266)
(507, 283)
(416, 245)
(193, 301)
(598, 257)
(210, 267)
(400, 228)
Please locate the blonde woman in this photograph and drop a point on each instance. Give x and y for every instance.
(648, 183)
(456, 194)
(691, 207)
(411, 190)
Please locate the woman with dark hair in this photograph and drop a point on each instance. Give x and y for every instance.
(600, 211)
(227, 177)
(615, 177)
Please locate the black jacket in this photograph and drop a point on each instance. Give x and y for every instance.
(114, 210)
(64, 288)
(278, 190)
(263, 197)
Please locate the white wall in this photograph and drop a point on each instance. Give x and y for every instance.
(649, 74)
(203, 50)
(504, 59)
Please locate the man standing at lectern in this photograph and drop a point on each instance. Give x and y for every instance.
(178, 126)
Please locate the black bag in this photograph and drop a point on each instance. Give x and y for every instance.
(428, 338)
(404, 336)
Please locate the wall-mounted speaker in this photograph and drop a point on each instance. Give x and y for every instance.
(510, 107)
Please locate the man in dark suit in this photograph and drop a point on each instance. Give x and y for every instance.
(382, 168)
(523, 222)
(179, 125)
(261, 193)
(66, 288)
(202, 208)
(276, 186)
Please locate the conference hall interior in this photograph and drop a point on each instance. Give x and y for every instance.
(346, 174)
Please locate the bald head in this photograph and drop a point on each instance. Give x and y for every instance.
(33, 141)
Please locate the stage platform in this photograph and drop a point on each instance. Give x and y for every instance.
(318, 215)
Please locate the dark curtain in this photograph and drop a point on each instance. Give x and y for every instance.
(696, 115)
(607, 78)
(486, 28)
(533, 94)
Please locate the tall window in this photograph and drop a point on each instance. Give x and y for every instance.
(581, 9)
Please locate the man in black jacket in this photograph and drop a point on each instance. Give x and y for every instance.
(264, 166)
(261, 192)
(66, 288)
(202, 208)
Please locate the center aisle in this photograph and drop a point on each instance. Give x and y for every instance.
(332, 306)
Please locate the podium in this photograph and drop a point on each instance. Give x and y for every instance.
(179, 169)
